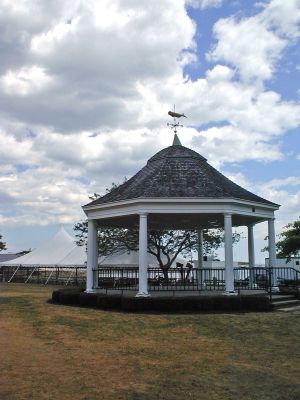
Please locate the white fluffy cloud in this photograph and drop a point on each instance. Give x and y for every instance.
(202, 4)
(85, 88)
(284, 16)
(278, 191)
(95, 54)
(254, 45)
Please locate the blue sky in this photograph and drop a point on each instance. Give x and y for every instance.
(85, 88)
(284, 82)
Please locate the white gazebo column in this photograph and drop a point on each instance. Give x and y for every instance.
(92, 255)
(200, 258)
(251, 254)
(229, 277)
(272, 252)
(143, 251)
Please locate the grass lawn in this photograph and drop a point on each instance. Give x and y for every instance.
(49, 351)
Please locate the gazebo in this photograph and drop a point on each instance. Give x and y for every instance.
(178, 189)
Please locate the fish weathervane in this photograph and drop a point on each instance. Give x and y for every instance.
(175, 124)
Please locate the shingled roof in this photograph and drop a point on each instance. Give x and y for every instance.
(175, 172)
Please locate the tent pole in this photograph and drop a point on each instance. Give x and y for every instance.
(14, 274)
(49, 277)
(30, 275)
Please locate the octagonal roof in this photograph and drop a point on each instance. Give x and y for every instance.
(178, 172)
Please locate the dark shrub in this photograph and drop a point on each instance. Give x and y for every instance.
(88, 299)
(167, 304)
(111, 302)
(256, 303)
(185, 304)
(227, 303)
(205, 304)
(67, 295)
(162, 304)
(137, 304)
(55, 296)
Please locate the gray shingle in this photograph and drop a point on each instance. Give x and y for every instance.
(177, 171)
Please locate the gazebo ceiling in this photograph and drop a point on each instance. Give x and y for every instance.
(179, 172)
(178, 221)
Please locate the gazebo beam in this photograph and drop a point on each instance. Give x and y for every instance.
(251, 253)
(92, 255)
(143, 257)
(200, 248)
(272, 251)
(229, 278)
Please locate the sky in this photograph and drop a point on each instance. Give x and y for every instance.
(85, 87)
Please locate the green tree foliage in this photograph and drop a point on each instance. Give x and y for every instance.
(2, 244)
(289, 244)
(165, 245)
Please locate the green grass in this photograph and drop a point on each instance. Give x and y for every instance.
(61, 352)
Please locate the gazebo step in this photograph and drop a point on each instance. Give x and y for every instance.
(282, 297)
(286, 303)
(290, 309)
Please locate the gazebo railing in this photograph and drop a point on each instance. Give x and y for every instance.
(184, 279)
(117, 278)
(175, 279)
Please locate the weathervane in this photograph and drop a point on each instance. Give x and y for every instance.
(175, 124)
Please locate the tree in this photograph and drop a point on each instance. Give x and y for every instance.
(165, 245)
(2, 244)
(289, 245)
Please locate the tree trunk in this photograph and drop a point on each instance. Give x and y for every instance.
(166, 273)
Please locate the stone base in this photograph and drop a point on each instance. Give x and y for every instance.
(275, 289)
(142, 294)
(90, 291)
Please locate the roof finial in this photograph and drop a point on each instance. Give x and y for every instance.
(176, 141)
(175, 124)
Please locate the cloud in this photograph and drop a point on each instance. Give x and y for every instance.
(283, 16)
(85, 88)
(25, 81)
(277, 191)
(248, 45)
(95, 54)
(229, 143)
(254, 45)
(203, 4)
(46, 179)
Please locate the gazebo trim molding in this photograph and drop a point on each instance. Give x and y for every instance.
(253, 210)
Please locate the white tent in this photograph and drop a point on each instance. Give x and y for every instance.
(76, 257)
(59, 250)
(62, 250)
